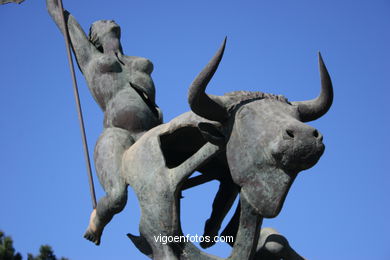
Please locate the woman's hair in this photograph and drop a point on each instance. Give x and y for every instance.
(93, 36)
(99, 27)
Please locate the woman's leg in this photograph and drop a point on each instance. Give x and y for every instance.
(108, 159)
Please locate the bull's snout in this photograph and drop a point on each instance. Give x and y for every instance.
(300, 148)
(300, 133)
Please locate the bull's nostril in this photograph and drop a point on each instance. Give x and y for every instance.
(290, 133)
(315, 133)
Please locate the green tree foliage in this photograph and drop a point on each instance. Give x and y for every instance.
(45, 253)
(7, 251)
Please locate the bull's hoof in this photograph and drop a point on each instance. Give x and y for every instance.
(205, 244)
(210, 230)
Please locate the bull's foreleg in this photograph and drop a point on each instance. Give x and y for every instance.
(232, 227)
(223, 202)
(184, 170)
(271, 245)
(247, 234)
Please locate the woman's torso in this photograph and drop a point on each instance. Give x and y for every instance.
(124, 89)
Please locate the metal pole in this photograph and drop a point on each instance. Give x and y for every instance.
(79, 111)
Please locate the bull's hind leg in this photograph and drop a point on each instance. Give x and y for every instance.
(108, 158)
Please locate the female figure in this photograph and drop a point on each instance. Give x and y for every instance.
(123, 88)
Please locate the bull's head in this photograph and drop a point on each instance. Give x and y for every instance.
(267, 143)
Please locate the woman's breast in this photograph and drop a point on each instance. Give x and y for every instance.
(108, 76)
(142, 65)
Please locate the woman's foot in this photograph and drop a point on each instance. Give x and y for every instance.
(94, 232)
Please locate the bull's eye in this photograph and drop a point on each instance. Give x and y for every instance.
(290, 133)
(315, 133)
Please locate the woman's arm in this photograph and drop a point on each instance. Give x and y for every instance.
(81, 46)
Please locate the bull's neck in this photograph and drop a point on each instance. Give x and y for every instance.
(248, 232)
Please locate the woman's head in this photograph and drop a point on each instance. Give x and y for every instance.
(104, 31)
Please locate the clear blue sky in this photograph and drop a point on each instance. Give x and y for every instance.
(339, 209)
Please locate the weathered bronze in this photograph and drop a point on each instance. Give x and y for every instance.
(123, 88)
(10, 1)
(254, 143)
(252, 140)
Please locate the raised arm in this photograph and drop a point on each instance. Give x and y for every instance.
(82, 47)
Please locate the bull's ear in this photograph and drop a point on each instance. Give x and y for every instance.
(212, 133)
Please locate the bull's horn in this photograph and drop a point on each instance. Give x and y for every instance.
(312, 109)
(202, 104)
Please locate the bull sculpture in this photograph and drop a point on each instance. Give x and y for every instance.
(254, 143)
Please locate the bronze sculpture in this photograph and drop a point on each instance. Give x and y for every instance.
(252, 142)
(260, 136)
(124, 90)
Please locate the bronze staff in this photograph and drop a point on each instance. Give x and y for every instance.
(79, 111)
